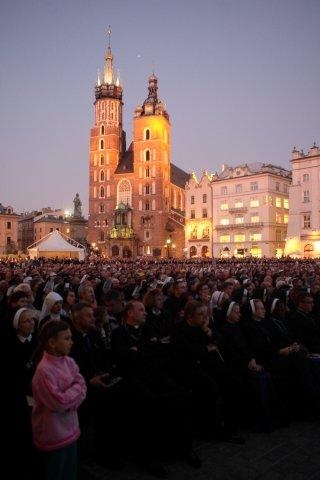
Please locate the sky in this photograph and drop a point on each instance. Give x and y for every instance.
(240, 80)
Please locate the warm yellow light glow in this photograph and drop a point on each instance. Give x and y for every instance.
(317, 246)
(67, 213)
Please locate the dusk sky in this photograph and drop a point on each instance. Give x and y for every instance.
(240, 80)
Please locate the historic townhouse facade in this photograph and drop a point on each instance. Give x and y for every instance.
(303, 236)
(199, 221)
(248, 208)
(8, 230)
(136, 195)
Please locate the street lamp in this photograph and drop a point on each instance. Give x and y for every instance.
(168, 246)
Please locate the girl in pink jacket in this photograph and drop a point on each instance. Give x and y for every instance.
(58, 390)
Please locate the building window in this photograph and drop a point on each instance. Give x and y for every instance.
(147, 189)
(8, 240)
(204, 213)
(285, 218)
(224, 206)
(278, 235)
(102, 129)
(255, 237)
(204, 198)
(238, 204)
(102, 160)
(98, 223)
(239, 220)
(192, 214)
(224, 191)
(147, 171)
(101, 144)
(277, 187)
(255, 218)
(124, 193)
(307, 221)
(254, 202)
(306, 198)
(8, 225)
(192, 200)
(147, 206)
(224, 238)
(205, 232)
(147, 157)
(147, 134)
(278, 218)
(224, 221)
(51, 230)
(305, 177)
(101, 192)
(102, 176)
(254, 186)
(68, 230)
(240, 237)
(194, 233)
(239, 188)
(101, 208)
(286, 203)
(278, 202)
(285, 188)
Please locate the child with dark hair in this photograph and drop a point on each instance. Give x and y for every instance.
(58, 390)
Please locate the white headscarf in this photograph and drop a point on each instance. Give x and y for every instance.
(48, 303)
(16, 318)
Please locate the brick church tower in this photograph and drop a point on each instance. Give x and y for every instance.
(136, 196)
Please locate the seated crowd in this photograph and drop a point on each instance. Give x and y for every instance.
(169, 350)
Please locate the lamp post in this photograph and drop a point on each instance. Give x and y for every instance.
(168, 245)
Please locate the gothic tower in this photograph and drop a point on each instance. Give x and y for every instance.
(107, 144)
(151, 147)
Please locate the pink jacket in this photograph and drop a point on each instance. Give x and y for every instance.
(58, 390)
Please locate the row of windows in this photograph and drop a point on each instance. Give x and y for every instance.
(204, 213)
(240, 237)
(254, 186)
(205, 233)
(146, 132)
(204, 199)
(255, 202)
(254, 218)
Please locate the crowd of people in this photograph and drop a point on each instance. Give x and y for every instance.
(152, 354)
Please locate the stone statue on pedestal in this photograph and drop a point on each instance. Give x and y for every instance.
(77, 212)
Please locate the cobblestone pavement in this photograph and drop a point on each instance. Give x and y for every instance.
(289, 453)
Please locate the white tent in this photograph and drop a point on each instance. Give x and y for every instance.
(56, 244)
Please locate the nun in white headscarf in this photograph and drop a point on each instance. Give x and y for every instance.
(51, 308)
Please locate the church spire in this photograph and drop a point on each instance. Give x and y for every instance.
(108, 68)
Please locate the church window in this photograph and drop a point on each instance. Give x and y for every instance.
(147, 134)
(147, 189)
(101, 208)
(147, 234)
(102, 160)
(102, 176)
(101, 144)
(147, 155)
(192, 200)
(101, 192)
(147, 206)
(147, 172)
(124, 192)
(102, 129)
(98, 223)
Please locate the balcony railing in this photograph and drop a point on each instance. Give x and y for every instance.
(240, 225)
(238, 210)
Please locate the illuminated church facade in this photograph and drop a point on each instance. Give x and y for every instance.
(136, 195)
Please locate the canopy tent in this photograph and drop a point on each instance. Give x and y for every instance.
(56, 244)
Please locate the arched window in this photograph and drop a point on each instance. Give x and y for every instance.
(147, 206)
(101, 144)
(147, 134)
(147, 189)
(102, 160)
(115, 251)
(101, 192)
(98, 223)
(193, 251)
(124, 192)
(102, 129)
(204, 251)
(147, 155)
(147, 172)
(102, 176)
(102, 208)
